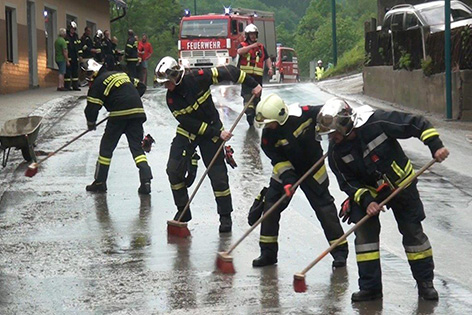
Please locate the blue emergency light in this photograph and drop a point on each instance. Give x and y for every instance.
(227, 10)
(186, 12)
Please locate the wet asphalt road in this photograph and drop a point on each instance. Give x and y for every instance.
(66, 251)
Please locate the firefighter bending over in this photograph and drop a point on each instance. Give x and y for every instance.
(369, 163)
(121, 96)
(288, 139)
(190, 101)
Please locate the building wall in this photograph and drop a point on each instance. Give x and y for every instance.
(15, 76)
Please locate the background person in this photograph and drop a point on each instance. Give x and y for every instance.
(74, 50)
(252, 58)
(62, 58)
(145, 51)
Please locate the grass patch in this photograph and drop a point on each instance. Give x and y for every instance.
(352, 61)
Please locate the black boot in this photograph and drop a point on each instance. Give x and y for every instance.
(250, 119)
(75, 85)
(268, 255)
(339, 262)
(97, 187)
(366, 295)
(427, 291)
(145, 188)
(225, 223)
(187, 216)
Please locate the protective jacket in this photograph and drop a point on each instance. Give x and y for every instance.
(191, 103)
(120, 94)
(375, 154)
(97, 44)
(74, 46)
(293, 148)
(87, 45)
(131, 51)
(253, 61)
(319, 71)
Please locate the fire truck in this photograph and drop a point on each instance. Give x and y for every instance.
(212, 39)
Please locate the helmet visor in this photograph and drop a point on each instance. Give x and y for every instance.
(171, 75)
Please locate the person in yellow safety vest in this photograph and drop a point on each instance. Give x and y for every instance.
(252, 57)
(319, 70)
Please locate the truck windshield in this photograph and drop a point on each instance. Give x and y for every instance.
(435, 15)
(204, 28)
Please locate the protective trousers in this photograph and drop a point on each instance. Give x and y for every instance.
(131, 66)
(251, 110)
(179, 158)
(72, 75)
(323, 206)
(408, 211)
(133, 129)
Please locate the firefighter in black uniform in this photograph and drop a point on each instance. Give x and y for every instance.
(97, 45)
(364, 154)
(189, 99)
(121, 96)
(131, 54)
(288, 139)
(108, 51)
(74, 48)
(87, 45)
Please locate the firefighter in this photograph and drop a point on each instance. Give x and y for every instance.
(87, 45)
(121, 96)
(190, 101)
(252, 57)
(364, 154)
(131, 54)
(74, 48)
(288, 140)
(97, 45)
(319, 70)
(108, 51)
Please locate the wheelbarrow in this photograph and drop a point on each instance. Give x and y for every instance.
(20, 133)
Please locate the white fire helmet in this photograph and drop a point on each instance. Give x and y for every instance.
(169, 70)
(251, 28)
(335, 115)
(73, 25)
(91, 68)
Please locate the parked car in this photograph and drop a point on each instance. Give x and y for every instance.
(406, 16)
(286, 65)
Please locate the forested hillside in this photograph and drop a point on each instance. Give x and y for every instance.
(302, 24)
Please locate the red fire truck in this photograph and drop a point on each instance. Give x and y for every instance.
(213, 39)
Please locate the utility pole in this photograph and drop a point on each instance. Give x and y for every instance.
(195, 7)
(447, 59)
(333, 20)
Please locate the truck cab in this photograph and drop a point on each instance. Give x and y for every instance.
(286, 65)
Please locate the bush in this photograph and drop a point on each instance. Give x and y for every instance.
(405, 60)
(427, 66)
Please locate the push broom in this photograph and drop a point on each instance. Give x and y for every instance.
(224, 260)
(299, 284)
(33, 167)
(179, 228)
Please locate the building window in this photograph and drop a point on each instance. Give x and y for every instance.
(70, 18)
(50, 29)
(11, 34)
(93, 28)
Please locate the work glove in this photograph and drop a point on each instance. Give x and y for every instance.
(91, 125)
(147, 142)
(192, 169)
(288, 190)
(345, 212)
(257, 208)
(229, 156)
